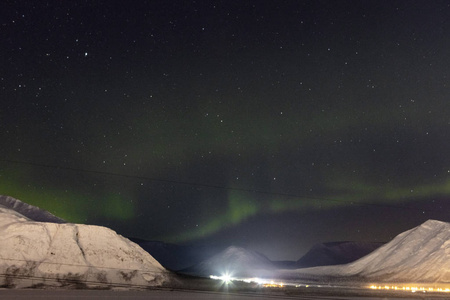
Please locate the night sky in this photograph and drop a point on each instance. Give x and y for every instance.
(273, 125)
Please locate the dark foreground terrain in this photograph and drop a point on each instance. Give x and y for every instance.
(208, 289)
(179, 294)
(189, 287)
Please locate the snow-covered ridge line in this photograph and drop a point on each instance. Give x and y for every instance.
(31, 212)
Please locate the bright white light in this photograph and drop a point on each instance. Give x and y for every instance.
(226, 278)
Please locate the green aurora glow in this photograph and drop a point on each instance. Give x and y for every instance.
(186, 120)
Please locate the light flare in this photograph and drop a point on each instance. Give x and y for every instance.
(225, 278)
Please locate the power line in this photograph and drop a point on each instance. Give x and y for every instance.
(212, 186)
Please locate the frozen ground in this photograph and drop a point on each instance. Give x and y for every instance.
(179, 295)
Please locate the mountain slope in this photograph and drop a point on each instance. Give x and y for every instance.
(234, 261)
(175, 257)
(42, 253)
(421, 254)
(335, 253)
(32, 212)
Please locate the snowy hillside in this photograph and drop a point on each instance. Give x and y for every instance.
(421, 254)
(42, 253)
(335, 253)
(236, 262)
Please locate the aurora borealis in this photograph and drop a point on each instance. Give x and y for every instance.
(269, 124)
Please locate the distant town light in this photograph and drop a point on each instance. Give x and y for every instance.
(412, 289)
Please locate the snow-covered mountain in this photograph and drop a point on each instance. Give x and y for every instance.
(335, 253)
(421, 254)
(62, 254)
(234, 261)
